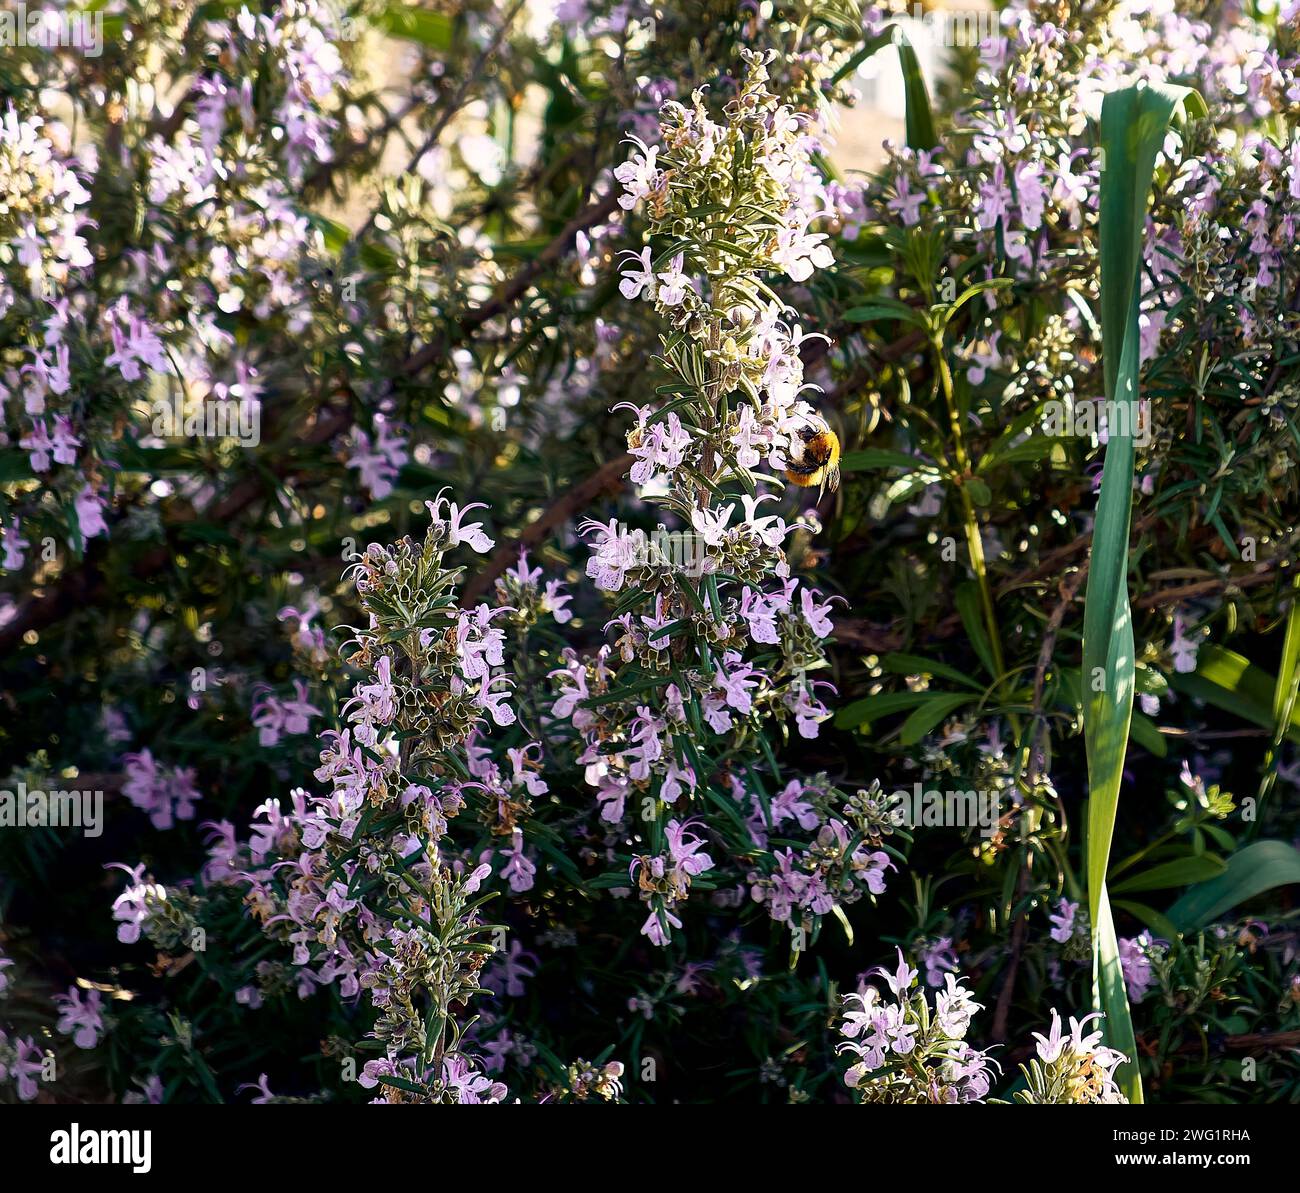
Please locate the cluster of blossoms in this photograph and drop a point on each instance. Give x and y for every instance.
(276, 717)
(40, 226)
(81, 1016)
(667, 733)
(1070, 931)
(713, 639)
(1136, 955)
(165, 793)
(1075, 1069)
(665, 879)
(42, 253)
(725, 204)
(22, 1062)
(523, 590)
(506, 796)
(397, 773)
(1017, 189)
(910, 1052)
(222, 235)
(842, 862)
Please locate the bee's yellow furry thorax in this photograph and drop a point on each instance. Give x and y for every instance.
(818, 463)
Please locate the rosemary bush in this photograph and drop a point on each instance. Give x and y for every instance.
(531, 574)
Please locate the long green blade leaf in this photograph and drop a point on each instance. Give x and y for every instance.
(1134, 121)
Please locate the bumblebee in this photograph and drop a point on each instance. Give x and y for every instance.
(815, 457)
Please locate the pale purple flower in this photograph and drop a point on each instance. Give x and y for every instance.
(636, 281)
(80, 1017)
(1063, 921)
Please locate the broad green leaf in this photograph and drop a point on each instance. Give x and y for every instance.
(401, 19)
(881, 309)
(1233, 683)
(1150, 917)
(930, 714)
(868, 48)
(970, 292)
(910, 664)
(1146, 734)
(871, 458)
(1285, 691)
(920, 119)
(1252, 871)
(1181, 871)
(872, 708)
(1025, 452)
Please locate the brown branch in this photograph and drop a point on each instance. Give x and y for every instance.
(519, 283)
(1069, 589)
(1268, 572)
(1002, 1013)
(576, 499)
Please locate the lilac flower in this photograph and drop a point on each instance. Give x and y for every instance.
(614, 552)
(378, 461)
(80, 1018)
(1063, 921)
(167, 794)
(817, 616)
(1031, 193)
(800, 252)
(994, 199)
(14, 546)
(1136, 963)
(470, 1087)
(939, 960)
(37, 443)
(673, 284)
(131, 909)
(905, 204)
(135, 345)
(150, 1092)
(27, 1066)
(639, 176)
(518, 871)
(789, 804)
(472, 535)
(636, 281)
(1184, 649)
(263, 1087)
(510, 970)
(89, 507)
(276, 718)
